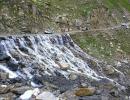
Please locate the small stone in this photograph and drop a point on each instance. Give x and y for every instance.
(73, 76)
(85, 91)
(118, 64)
(63, 66)
(109, 70)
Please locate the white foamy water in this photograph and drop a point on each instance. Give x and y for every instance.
(11, 73)
(47, 54)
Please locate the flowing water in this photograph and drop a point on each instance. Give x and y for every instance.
(27, 56)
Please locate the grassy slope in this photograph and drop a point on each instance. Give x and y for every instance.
(105, 46)
(113, 45)
(117, 4)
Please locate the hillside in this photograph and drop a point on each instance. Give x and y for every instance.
(37, 15)
(64, 49)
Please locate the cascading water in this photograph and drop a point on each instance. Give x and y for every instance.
(34, 60)
(25, 56)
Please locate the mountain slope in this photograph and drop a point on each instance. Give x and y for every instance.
(37, 15)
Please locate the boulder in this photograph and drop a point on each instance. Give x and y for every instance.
(29, 94)
(85, 91)
(46, 96)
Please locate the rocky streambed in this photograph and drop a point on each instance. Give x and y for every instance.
(53, 67)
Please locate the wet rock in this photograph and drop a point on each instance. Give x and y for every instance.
(4, 89)
(27, 95)
(105, 84)
(4, 57)
(128, 90)
(2, 38)
(8, 96)
(17, 80)
(118, 64)
(4, 76)
(13, 66)
(71, 44)
(85, 91)
(20, 90)
(46, 96)
(18, 84)
(114, 93)
(21, 64)
(23, 49)
(73, 76)
(37, 80)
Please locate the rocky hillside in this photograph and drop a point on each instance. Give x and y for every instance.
(37, 15)
(91, 64)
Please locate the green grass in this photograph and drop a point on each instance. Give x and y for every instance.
(117, 4)
(100, 46)
(74, 8)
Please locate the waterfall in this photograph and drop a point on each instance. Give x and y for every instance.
(27, 56)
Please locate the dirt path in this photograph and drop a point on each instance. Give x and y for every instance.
(70, 32)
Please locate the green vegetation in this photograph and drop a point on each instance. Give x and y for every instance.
(117, 4)
(37, 15)
(41, 14)
(104, 45)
